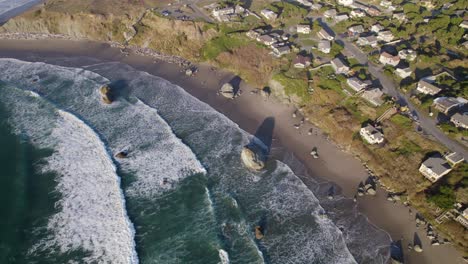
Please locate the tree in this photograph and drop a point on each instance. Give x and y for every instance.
(445, 197)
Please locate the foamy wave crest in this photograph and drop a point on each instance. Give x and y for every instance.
(224, 257)
(92, 216)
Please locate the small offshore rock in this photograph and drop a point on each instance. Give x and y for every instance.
(106, 94)
(121, 155)
(258, 232)
(252, 159)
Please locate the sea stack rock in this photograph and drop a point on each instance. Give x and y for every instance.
(252, 158)
(121, 155)
(106, 95)
(227, 90)
(258, 232)
(418, 248)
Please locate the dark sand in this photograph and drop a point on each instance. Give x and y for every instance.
(249, 111)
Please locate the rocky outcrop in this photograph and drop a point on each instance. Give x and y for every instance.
(228, 91)
(106, 94)
(253, 158)
(121, 154)
(258, 232)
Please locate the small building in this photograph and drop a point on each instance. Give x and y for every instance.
(385, 36)
(464, 24)
(367, 41)
(303, 29)
(345, 2)
(341, 17)
(330, 13)
(355, 30)
(386, 58)
(377, 28)
(222, 11)
(254, 34)
(407, 54)
(454, 158)
(404, 72)
(280, 50)
(316, 6)
(339, 66)
(268, 14)
(400, 16)
(371, 135)
(301, 62)
(427, 88)
(460, 120)
(357, 13)
(324, 46)
(427, 4)
(323, 34)
(434, 168)
(463, 218)
(448, 104)
(356, 84)
(373, 96)
(373, 11)
(267, 40)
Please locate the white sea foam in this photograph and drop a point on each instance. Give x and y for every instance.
(92, 215)
(223, 256)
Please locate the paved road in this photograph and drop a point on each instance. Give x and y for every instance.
(428, 124)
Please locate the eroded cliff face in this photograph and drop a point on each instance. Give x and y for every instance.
(142, 28)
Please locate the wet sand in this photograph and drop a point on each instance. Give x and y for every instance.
(248, 111)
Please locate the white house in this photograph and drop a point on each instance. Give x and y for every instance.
(324, 46)
(356, 84)
(404, 72)
(460, 120)
(434, 168)
(386, 58)
(385, 35)
(463, 218)
(301, 62)
(268, 14)
(407, 54)
(303, 29)
(330, 13)
(341, 17)
(267, 40)
(367, 41)
(447, 104)
(427, 88)
(377, 28)
(355, 30)
(386, 3)
(316, 6)
(339, 66)
(464, 24)
(323, 34)
(371, 135)
(357, 13)
(345, 2)
(400, 16)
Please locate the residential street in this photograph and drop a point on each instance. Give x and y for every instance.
(427, 124)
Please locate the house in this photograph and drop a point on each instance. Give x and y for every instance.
(373, 96)
(460, 120)
(386, 58)
(301, 62)
(400, 16)
(268, 14)
(367, 41)
(217, 13)
(339, 66)
(330, 13)
(377, 28)
(324, 46)
(385, 35)
(280, 49)
(427, 88)
(355, 30)
(371, 135)
(373, 11)
(447, 104)
(454, 158)
(463, 218)
(341, 17)
(359, 5)
(266, 39)
(357, 13)
(254, 34)
(316, 6)
(427, 4)
(323, 34)
(303, 29)
(386, 3)
(356, 84)
(407, 54)
(464, 24)
(403, 72)
(434, 168)
(345, 2)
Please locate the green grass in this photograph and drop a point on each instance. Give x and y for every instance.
(221, 44)
(293, 86)
(408, 147)
(402, 121)
(452, 130)
(352, 105)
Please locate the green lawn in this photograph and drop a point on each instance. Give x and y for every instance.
(402, 121)
(221, 44)
(293, 86)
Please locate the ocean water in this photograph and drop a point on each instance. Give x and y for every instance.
(180, 196)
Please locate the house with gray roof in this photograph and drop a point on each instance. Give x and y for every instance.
(460, 120)
(434, 168)
(371, 134)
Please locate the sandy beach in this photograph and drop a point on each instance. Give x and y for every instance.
(248, 111)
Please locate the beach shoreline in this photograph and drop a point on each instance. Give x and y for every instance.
(248, 111)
